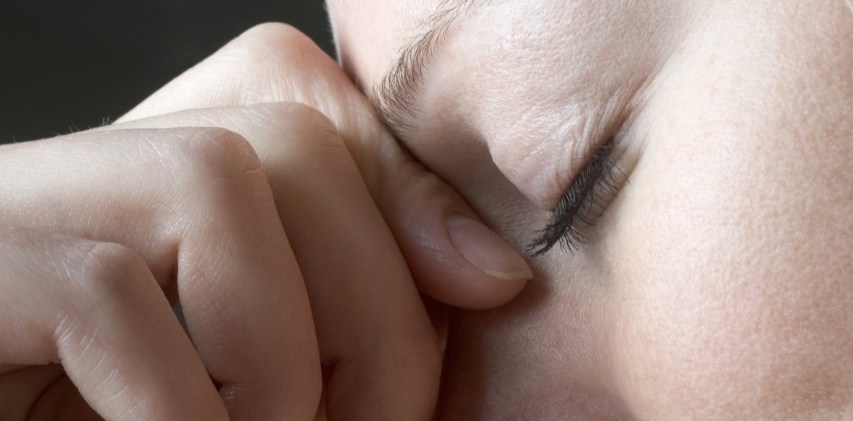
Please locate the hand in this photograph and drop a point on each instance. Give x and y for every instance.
(236, 273)
(477, 271)
(276, 63)
(194, 217)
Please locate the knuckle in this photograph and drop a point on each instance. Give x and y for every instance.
(274, 33)
(107, 267)
(272, 45)
(316, 129)
(290, 116)
(296, 112)
(218, 153)
(307, 137)
(222, 172)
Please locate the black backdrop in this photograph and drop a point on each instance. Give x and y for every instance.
(67, 65)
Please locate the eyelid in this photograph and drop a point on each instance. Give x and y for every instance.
(581, 198)
(602, 130)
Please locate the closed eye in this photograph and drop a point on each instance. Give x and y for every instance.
(584, 201)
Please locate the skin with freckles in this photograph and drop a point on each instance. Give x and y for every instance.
(716, 283)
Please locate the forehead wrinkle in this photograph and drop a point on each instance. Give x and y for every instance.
(394, 97)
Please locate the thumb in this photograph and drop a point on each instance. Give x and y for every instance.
(453, 256)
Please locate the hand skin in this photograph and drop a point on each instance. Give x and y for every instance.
(718, 282)
(286, 231)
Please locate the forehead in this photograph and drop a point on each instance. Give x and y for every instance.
(523, 76)
(369, 33)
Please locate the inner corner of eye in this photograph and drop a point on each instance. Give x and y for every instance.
(557, 183)
(546, 195)
(542, 177)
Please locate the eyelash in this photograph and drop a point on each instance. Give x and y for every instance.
(585, 200)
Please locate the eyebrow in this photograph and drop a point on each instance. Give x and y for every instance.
(395, 96)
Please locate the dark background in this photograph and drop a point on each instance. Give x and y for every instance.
(67, 65)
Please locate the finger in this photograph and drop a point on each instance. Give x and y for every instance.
(373, 331)
(244, 297)
(197, 208)
(454, 256)
(96, 309)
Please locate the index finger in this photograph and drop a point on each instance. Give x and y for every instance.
(452, 254)
(375, 338)
(196, 207)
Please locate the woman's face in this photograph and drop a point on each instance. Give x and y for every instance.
(708, 150)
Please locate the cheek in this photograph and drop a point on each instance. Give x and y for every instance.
(721, 303)
(731, 286)
(731, 245)
(688, 296)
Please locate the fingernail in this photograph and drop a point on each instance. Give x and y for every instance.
(486, 250)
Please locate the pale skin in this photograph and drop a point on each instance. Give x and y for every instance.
(264, 205)
(717, 284)
(714, 285)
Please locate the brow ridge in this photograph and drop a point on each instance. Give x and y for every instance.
(394, 97)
